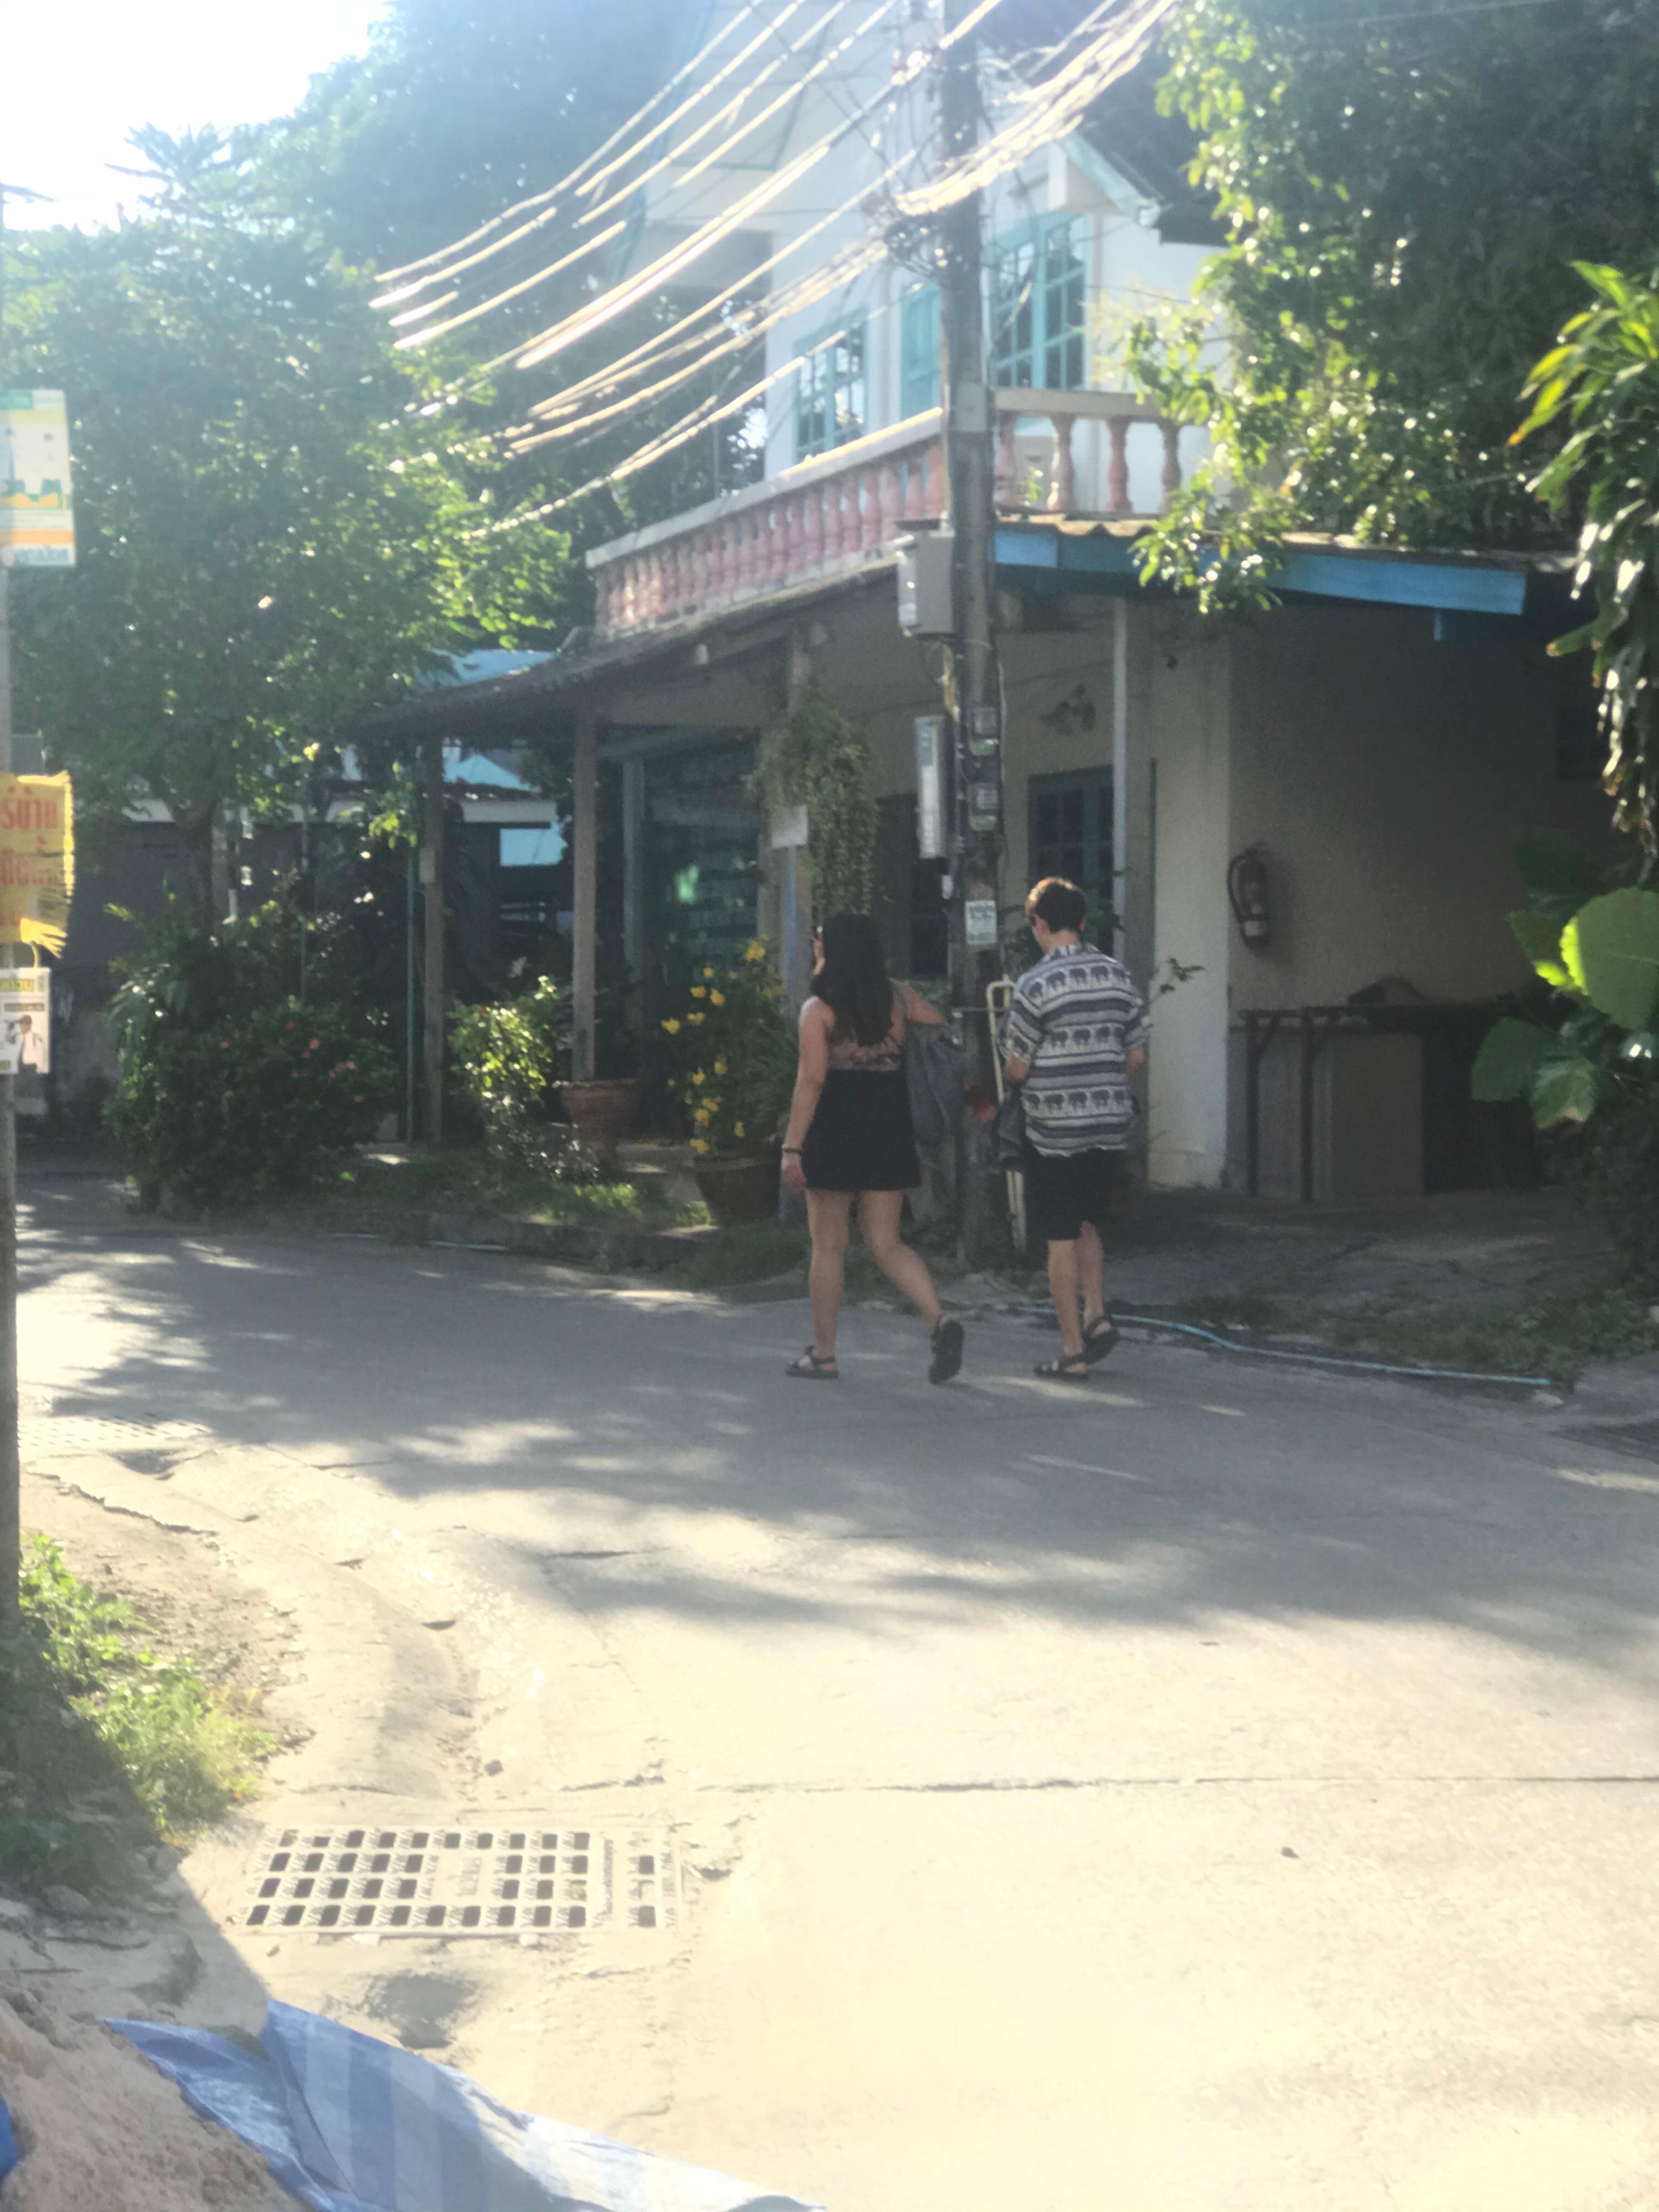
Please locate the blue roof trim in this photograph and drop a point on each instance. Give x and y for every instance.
(483, 667)
(1464, 585)
(1468, 587)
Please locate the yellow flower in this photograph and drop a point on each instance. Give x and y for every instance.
(702, 1117)
(717, 998)
(694, 1021)
(737, 1129)
(720, 1067)
(707, 975)
(700, 1146)
(698, 991)
(673, 1027)
(699, 1077)
(754, 950)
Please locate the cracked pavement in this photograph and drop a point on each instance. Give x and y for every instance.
(1224, 1788)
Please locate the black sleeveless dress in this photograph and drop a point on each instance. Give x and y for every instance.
(862, 1136)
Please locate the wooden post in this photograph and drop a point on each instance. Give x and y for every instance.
(432, 885)
(795, 952)
(585, 836)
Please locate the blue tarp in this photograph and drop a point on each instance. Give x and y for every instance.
(8, 2142)
(348, 2124)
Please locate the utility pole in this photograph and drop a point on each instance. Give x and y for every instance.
(969, 450)
(11, 1503)
(432, 883)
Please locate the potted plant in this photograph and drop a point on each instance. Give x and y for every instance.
(736, 1052)
(605, 1108)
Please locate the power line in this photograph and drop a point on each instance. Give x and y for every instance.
(525, 355)
(573, 177)
(676, 152)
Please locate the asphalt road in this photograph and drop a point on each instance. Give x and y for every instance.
(1220, 1789)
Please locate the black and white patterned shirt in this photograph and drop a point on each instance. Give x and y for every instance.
(1076, 1018)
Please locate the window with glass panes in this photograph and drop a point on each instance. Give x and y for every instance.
(1069, 831)
(830, 408)
(1039, 307)
(919, 351)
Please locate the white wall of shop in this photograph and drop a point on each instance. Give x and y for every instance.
(1388, 777)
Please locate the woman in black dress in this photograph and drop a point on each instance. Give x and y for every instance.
(850, 1138)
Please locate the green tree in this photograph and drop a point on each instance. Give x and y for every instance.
(269, 539)
(1602, 381)
(1400, 195)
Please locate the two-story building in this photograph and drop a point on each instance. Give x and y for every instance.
(1374, 745)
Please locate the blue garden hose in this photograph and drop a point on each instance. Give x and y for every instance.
(1332, 1359)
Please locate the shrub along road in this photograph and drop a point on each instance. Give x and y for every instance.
(1220, 1787)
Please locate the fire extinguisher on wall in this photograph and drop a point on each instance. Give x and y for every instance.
(1247, 893)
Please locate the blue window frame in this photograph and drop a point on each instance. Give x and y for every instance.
(831, 394)
(1070, 834)
(1039, 307)
(919, 351)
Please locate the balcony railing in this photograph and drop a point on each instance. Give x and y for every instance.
(835, 515)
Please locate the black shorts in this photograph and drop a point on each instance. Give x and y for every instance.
(1065, 1189)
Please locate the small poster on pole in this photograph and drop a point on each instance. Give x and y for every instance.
(37, 500)
(24, 1021)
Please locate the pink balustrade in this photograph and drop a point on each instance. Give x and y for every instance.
(844, 512)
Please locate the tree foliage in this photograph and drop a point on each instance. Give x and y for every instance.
(269, 542)
(1602, 381)
(1401, 196)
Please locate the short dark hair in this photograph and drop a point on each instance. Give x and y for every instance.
(1057, 904)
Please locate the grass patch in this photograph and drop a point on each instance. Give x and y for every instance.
(749, 1252)
(106, 1747)
(467, 1176)
(1556, 1337)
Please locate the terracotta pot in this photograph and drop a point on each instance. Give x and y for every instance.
(600, 1113)
(739, 1188)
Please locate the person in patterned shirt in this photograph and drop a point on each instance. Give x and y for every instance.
(1076, 1034)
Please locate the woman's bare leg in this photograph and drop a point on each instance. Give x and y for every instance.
(829, 1214)
(879, 1213)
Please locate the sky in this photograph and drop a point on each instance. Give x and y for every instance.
(76, 79)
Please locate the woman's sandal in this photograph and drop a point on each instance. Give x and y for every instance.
(1070, 1367)
(1100, 1339)
(944, 1351)
(809, 1368)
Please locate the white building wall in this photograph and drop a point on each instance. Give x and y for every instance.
(1389, 778)
(1190, 707)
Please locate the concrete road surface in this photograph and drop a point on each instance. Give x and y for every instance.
(1222, 1789)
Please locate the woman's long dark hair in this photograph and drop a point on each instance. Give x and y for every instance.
(851, 978)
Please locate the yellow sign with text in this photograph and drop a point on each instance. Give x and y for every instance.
(37, 859)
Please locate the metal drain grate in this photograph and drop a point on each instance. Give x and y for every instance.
(148, 1447)
(462, 1881)
(1637, 1439)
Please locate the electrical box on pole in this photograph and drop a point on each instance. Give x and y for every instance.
(927, 584)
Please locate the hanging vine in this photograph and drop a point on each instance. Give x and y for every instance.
(818, 759)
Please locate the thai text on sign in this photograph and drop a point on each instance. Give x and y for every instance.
(37, 859)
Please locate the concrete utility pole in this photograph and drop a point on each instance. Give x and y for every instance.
(969, 450)
(432, 883)
(11, 1540)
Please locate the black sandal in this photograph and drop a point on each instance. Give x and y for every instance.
(945, 1348)
(1100, 1339)
(1070, 1367)
(809, 1368)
